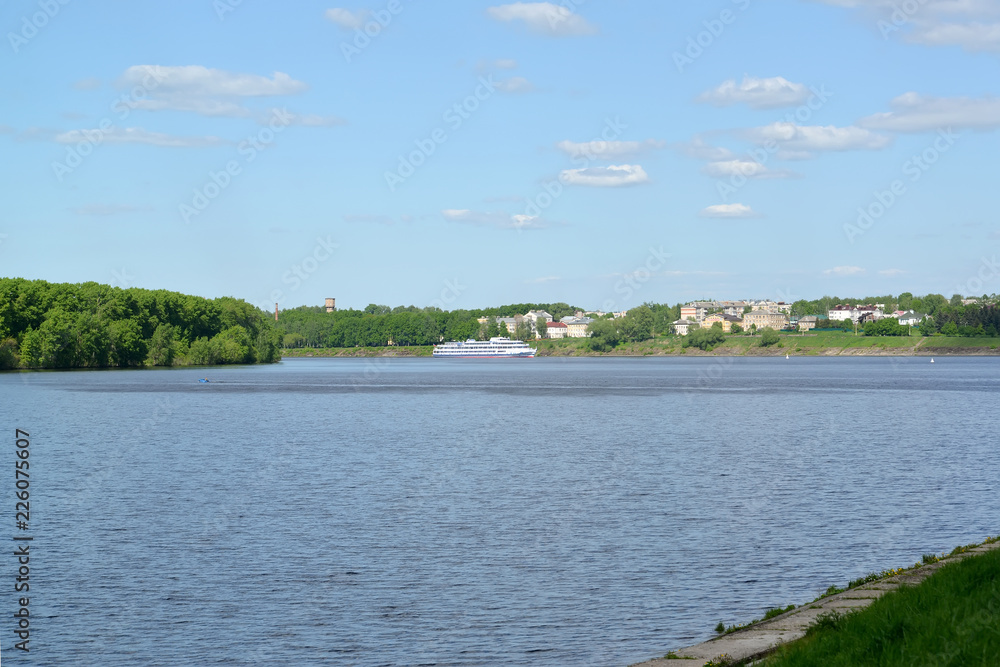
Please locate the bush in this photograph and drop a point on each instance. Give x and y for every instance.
(769, 337)
(704, 339)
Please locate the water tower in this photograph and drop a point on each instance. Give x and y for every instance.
(331, 305)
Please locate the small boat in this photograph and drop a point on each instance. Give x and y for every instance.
(204, 380)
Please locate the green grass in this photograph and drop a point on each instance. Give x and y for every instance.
(961, 341)
(951, 618)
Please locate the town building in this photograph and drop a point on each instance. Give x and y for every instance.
(763, 318)
(807, 323)
(557, 330)
(857, 314)
(910, 318)
(727, 321)
(683, 326)
(576, 327)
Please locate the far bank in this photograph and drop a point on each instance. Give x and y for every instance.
(825, 344)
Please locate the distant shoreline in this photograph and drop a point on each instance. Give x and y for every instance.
(661, 348)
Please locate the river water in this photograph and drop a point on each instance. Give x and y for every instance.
(477, 512)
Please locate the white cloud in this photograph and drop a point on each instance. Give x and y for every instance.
(746, 168)
(347, 19)
(698, 149)
(916, 113)
(516, 84)
(205, 82)
(544, 279)
(809, 138)
(300, 120)
(608, 150)
(891, 272)
(970, 24)
(544, 18)
(137, 135)
(973, 37)
(605, 177)
(844, 271)
(728, 211)
(201, 90)
(757, 93)
(492, 219)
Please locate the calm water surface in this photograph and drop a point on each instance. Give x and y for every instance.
(479, 512)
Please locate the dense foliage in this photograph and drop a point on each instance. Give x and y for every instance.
(635, 327)
(705, 339)
(89, 325)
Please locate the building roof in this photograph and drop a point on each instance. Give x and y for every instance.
(557, 325)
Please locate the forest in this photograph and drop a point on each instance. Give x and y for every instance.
(90, 325)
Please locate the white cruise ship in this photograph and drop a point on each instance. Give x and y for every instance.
(494, 348)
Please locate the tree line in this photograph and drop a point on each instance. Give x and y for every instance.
(379, 325)
(90, 325)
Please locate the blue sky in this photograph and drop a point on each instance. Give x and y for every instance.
(600, 153)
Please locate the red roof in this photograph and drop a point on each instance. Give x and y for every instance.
(558, 325)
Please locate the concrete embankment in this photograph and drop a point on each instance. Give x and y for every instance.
(760, 639)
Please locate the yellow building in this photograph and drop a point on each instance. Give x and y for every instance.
(727, 321)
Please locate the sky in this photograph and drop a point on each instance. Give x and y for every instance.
(466, 155)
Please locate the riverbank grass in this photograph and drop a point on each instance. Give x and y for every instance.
(951, 618)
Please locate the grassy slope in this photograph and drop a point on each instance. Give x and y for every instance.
(818, 344)
(952, 618)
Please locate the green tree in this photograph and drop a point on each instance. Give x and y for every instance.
(603, 335)
(161, 346)
(736, 329)
(128, 348)
(543, 328)
(950, 329)
(638, 324)
(234, 346)
(8, 354)
(523, 331)
(705, 339)
(293, 340)
(769, 337)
